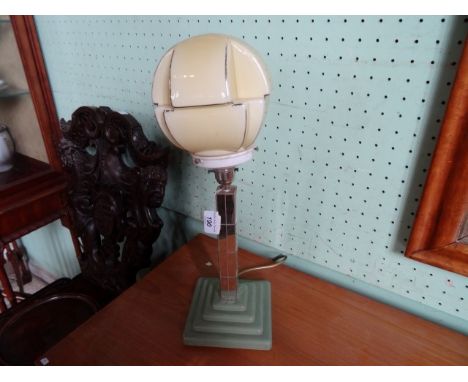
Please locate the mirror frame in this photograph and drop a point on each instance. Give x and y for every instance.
(38, 81)
(439, 234)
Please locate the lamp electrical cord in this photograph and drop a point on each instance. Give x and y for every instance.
(276, 261)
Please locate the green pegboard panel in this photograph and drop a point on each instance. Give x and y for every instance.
(355, 110)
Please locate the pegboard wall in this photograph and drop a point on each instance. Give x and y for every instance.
(355, 110)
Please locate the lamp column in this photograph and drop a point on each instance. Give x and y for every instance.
(227, 238)
(228, 311)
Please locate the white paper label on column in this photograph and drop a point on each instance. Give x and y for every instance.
(211, 222)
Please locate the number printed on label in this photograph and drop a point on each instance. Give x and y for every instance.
(211, 222)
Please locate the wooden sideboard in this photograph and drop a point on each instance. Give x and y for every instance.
(31, 195)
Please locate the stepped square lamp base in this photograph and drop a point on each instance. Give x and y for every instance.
(244, 324)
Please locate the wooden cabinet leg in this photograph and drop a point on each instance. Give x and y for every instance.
(26, 275)
(3, 307)
(6, 286)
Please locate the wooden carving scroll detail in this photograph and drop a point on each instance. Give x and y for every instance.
(117, 180)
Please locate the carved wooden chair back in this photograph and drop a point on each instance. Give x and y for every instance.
(117, 180)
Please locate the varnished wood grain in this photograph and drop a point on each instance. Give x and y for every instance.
(31, 195)
(38, 82)
(444, 204)
(314, 323)
(452, 257)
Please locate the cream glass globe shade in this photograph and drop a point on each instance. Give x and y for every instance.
(210, 97)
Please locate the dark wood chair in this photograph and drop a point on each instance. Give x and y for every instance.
(117, 180)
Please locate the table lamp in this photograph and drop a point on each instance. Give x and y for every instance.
(210, 94)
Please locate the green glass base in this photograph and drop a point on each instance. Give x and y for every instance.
(245, 324)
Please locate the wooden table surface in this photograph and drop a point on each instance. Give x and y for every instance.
(314, 323)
